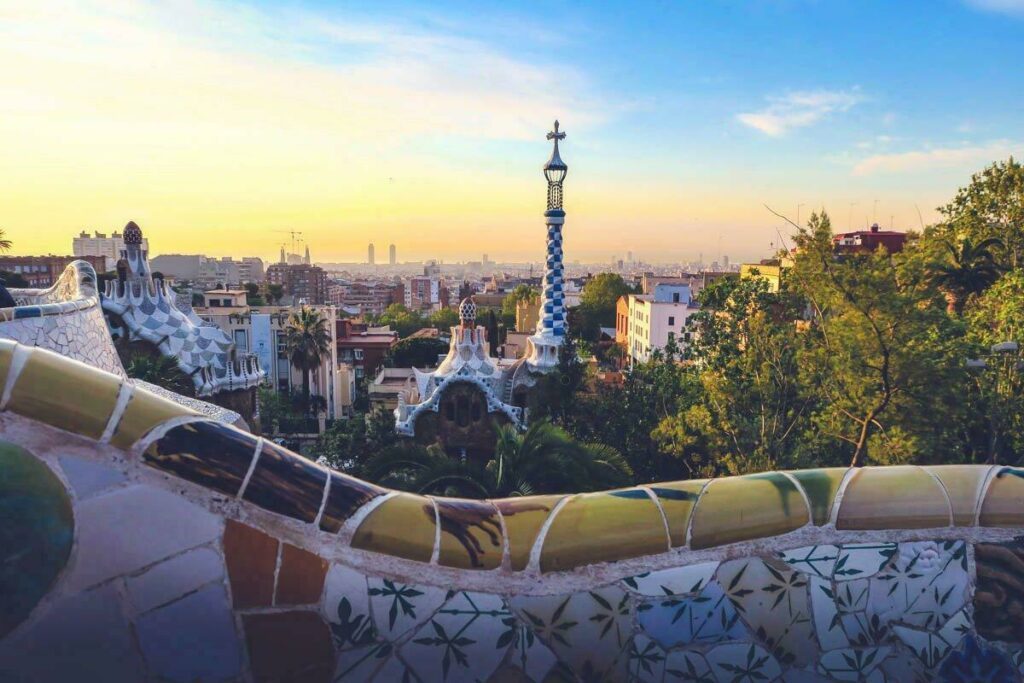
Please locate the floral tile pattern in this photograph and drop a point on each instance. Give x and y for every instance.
(743, 663)
(676, 581)
(704, 617)
(399, 607)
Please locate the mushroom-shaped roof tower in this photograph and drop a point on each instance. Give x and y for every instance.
(132, 233)
(467, 312)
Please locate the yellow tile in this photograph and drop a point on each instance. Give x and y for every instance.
(470, 534)
(65, 393)
(144, 411)
(523, 519)
(897, 497)
(820, 486)
(403, 526)
(603, 527)
(6, 353)
(678, 499)
(963, 485)
(1004, 501)
(741, 508)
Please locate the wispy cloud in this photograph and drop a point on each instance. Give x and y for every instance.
(1013, 7)
(799, 109)
(917, 161)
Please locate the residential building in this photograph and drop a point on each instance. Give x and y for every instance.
(43, 271)
(864, 241)
(388, 385)
(98, 244)
(527, 315)
(363, 347)
(371, 297)
(769, 270)
(655, 318)
(210, 272)
(303, 282)
(369, 254)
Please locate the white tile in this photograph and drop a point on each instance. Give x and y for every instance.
(87, 478)
(174, 577)
(676, 581)
(347, 607)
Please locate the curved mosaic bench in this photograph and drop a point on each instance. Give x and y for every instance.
(159, 545)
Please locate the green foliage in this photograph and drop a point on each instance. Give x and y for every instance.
(160, 370)
(5, 244)
(401, 319)
(444, 319)
(307, 340)
(597, 305)
(415, 352)
(349, 445)
(520, 293)
(15, 280)
(969, 270)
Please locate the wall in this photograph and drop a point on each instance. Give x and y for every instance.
(146, 543)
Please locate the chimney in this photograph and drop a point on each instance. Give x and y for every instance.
(874, 227)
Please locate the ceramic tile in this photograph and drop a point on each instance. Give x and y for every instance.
(7, 347)
(999, 594)
(588, 630)
(464, 641)
(742, 663)
(347, 606)
(286, 483)
(394, 670)
(773, 601)
(852, 664)
(359, 665)
(251, 558)
(174, 578)
(677, 501)
(37, 533)
(963, 485)
(930, 647)
(820, 486)
(603, 527)
(977, 661)
(815, 560)
(896, 497)
(88, 478)
(707, 617)
(207, 453)
(530, 656)
(403, 526)
(676, 581)
(646, 660)
(56, 647)
(524, 518)
(1001, 507)
(688, 666)
(741, 508)
(926, 584)
(347, 495)
(861, 560)
(300, 577)
(45, 382)
(289, 646)
(192, 639)
(132, 528)
(399, 607)
(470, 534)
(144, 412)
(828, 625)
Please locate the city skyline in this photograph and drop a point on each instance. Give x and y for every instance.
(428, 132)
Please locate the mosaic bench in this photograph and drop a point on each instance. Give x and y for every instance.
(143, 541)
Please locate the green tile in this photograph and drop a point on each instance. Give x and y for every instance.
(895, 497)
(963, 486)
(403, 526)
(677, 499)
(821, 487)
(524, 518)
(1004, 501)
(743, 508)
(470, 534)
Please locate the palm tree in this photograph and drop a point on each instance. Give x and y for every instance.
(307, 340)
(544, 459)
(972, 269)
(160, 370)
(5, 243)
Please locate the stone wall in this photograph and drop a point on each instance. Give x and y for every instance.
(151, 543)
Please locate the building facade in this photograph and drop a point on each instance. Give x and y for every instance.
(98, 244)
(654, 319)
(363, 347)
(303, 282)
(42, 271)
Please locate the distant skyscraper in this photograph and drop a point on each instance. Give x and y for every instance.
(392, 255)
(629, 257)
(283, 258)
(486, 260)
(306, 258)
(369, 254)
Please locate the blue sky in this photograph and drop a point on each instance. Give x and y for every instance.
(423, 123)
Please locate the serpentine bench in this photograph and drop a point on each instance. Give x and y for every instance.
(143, 541)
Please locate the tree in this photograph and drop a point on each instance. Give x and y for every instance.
(13, 279)
(991, 206)
(876, 353)
(597, 305)
(415, 352)
(275, 293)
(160, 370)
(307, 340)
(544, 459)
(512, 299)
(970, 270)
(5, 244)
(401, 320)
(444, 319)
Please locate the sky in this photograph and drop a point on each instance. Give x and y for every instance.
(220, 126)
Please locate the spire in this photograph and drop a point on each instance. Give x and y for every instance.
(307, 255)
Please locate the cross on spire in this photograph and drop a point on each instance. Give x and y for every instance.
(555, 135)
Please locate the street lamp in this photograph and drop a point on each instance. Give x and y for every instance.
(1004, 361)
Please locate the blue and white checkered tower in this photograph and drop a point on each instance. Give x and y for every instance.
(544, 344)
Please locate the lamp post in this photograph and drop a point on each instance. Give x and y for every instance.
(1002, 366)
(545, 343)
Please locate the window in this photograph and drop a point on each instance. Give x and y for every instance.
(241, 341)
(358, 354)
(675, 297)
(671, 320)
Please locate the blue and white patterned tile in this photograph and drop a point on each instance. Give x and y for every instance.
(646, 660)
(931, 646)
(708, 617)
(977, 661)
(529, 654)
(862, 560)
(925, 585)
(588, 630)
(827, 621)
(688, 666)
(361, 663)
(347, 608)
(743, 663)
(676, 581)
(853, 664)
(394, 670)
(815, 560)
(464, 641)
(398, 607)
(772, 599)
